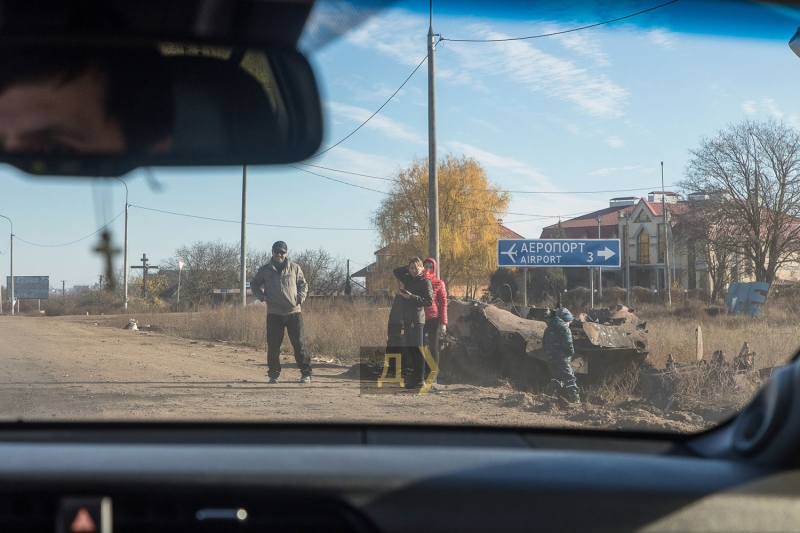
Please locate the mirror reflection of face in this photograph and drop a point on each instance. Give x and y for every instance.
(414, 270)
(50, 116)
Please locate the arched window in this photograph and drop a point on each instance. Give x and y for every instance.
(643, 248)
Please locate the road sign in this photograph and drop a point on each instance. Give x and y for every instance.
(30, 287)
(558, 253)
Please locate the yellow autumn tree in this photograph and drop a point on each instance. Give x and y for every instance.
(469, 209)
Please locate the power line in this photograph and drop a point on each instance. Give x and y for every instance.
(337, 181)
(73, 242)
(375, 113)
(466, 190)
(345, 172)
(249, 223)
(558, 32)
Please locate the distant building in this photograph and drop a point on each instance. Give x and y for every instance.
(377, 276)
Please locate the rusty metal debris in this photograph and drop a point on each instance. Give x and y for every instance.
(486, 340)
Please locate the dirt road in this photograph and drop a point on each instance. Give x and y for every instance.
(78, 368)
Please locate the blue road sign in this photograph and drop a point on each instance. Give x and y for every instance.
(558, 253)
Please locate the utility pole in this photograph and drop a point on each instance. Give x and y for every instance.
(63, 289)
(348, 289)
(666, 239)
(125, 263)
(599, 269)
(627, 262)
(433, 181)
(101, 282)
(12, 262)
(243, 274)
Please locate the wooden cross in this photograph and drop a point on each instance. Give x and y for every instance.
(105, 248)
(145, 267)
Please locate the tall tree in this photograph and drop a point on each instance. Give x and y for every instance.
(469, 208)
(699, 237)
(751, 174)
(324, 273)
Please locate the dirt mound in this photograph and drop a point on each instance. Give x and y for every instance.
(630, 415)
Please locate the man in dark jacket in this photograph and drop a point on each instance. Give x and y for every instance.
(284, 290)
(417, 292)
(557, 343)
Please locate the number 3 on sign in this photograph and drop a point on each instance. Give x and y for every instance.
(591, 257)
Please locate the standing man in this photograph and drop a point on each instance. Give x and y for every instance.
(557, 343)
(284, 290)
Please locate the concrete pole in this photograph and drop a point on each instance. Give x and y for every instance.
(433, 181)
(591, 288)
(12, 262)
(664, 214)
(125, 260)
(599, 269)
(627, 263)
(525, 287)
(243, 284)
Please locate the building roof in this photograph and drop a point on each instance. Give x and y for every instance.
(674, 208)
(506, 233)
(585, 226)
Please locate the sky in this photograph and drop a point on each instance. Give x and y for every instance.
(572, 120)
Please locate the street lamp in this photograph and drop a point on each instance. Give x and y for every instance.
(12, 262)
(125, 266)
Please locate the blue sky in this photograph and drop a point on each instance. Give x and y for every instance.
(586, 111)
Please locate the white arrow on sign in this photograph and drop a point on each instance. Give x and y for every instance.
(607, 253)
(511, 253)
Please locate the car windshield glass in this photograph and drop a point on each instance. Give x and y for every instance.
(613, 241)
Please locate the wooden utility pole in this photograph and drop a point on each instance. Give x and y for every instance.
(665, 216)
(433, 180)
(243, 274)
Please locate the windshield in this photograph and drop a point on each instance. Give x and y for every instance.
(615, 241)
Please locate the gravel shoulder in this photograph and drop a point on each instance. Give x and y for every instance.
(78, 368)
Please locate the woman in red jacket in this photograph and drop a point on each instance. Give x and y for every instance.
(435, 314)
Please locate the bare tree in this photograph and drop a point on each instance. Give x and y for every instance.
(751, 176)
(324, 273)
(698, 236)
(208, 265)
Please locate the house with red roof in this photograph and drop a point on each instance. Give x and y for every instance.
(639, 224)
(377, 281)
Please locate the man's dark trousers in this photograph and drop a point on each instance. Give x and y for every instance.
(293, 323)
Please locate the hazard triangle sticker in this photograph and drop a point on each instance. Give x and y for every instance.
(83, 522)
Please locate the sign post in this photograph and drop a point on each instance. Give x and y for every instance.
(527, 253)
(558, 252)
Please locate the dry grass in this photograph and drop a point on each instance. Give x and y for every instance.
(774, 336)
(333, 329)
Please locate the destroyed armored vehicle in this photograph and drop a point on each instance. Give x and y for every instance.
(484, 340)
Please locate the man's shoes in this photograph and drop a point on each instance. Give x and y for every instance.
(272, 381)
(573, 397)
(305, 379)
(553, 389)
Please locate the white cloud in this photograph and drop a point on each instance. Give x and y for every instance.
(609, 170)
(592, 92)
(771, 108)
(615, 142)
(583, 45)
(385, 125)
(491, 161)
(766, 106)
(396, 35)
(663, 38)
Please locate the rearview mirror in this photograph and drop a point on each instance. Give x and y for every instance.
(105, 110)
